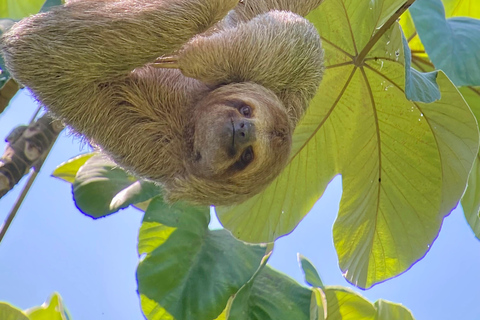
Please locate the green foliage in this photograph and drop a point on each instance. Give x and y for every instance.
(189, 272)
(471, 198)
(419, 86)
(8, 312)
(457, 53)
(311, 275)
(469, 10)
(395, 127)
(271, 295)
(398, 158)
(51, 310)
(15, 9)
(100, 187)
(48, 4)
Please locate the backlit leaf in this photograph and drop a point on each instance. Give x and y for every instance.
(8, 312)
(404, 164)
(51, 310)
(17, 9)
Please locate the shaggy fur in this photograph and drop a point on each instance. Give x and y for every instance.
(87, 61)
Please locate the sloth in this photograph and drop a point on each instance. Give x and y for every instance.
(200, 96)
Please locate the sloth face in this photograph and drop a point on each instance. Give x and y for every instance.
(241, 136)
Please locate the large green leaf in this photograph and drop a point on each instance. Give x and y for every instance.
(51, 310)
(458, 52)
(387, 310)
(344, 304)
(189, 271)
(271, 295)
(101, 188)
(67, 171)
(468, 8)
(8, 312)
(404, 164)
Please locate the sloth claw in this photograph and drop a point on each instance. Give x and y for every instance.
(170, 62)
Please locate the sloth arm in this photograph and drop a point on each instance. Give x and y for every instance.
(63, 55)
(278, 50)
(78, 59)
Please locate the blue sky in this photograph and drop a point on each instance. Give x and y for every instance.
(51, 247)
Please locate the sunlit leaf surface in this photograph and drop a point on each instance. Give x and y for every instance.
(67, 171)
(17, 9)
(8, 312)
(462, 8)
(420, 60)
(387, 310)
(471, 198)
(404, 164)
(344, 304)
(51, 310)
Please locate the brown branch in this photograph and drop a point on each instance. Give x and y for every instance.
(359, 60)
(27, 147)
(7, 92)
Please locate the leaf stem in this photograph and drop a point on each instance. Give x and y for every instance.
(359, 60)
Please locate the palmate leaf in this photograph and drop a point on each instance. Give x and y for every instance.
(404, 164)
(421, 61)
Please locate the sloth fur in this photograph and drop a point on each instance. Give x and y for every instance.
(215, 130)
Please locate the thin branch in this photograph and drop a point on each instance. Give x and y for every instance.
(15, 208)
(28, 147)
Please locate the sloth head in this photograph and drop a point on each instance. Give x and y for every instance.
(240, 142)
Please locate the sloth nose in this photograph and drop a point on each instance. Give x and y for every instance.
(244, 132)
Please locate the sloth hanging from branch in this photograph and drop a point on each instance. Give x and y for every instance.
(201, 96)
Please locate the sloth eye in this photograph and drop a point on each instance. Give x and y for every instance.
(247, 156)
(246, 111)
